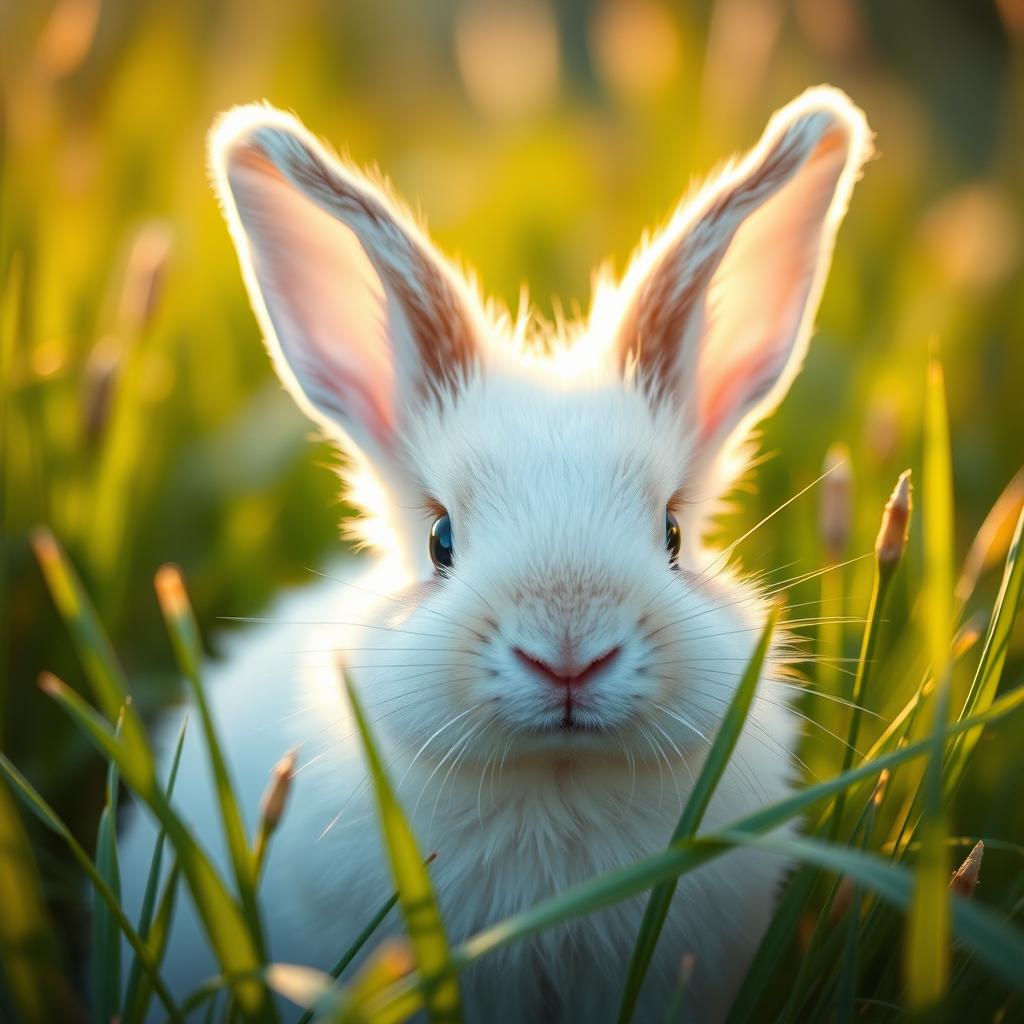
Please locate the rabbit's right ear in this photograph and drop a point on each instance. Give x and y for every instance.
(362, 317)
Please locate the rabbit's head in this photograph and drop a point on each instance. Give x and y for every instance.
(544, 499)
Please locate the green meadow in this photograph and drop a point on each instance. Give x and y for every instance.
(140, 425)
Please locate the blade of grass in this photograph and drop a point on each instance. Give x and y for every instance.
(135, 759)
(24, 790)
(210, 992)
(389, 964)
(888, 554)
(353, 951)
(181, 624)
(847, 984)
(871, 934)
(233, 946)
(211, 989)
(675, 1005)
(993, 655)
(774, 945)
(222, 918)
(992, 539)
(412, 880)
(159, 932)
(211, 1010)
(805, 973)
(688, 854)
(783, 926)
(131, 1013)
(364, 936)
(926, 962)
(711, 772)
(996, 943)
(109, 686)
(360, 941)
(29, 961)
(11, 293)
(106, 942)
(644, 874)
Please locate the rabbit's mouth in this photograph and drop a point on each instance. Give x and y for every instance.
(576, 715)
(572, 723)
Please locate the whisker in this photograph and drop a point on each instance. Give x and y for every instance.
(692, 638)
(391, 598)
(433, 736)
(793, 581)
(658, 756)
(390, 650)
(466, 583)
(464, 747)
(440, 764)
(743, 764)
(254, 619)
(433, 691)
(679, 754)
(825, 696)
(726, 552)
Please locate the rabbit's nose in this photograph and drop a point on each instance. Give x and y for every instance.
(566, 672)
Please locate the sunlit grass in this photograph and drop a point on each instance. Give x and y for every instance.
(139, 420)
(693, 813)
(394, 984)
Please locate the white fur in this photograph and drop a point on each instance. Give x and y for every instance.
(556, 471)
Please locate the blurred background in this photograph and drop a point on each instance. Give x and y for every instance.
(138, 414)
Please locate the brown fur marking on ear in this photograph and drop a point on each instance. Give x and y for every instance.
(443, 332)
(656, 318)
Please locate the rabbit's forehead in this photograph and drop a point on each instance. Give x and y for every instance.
(515, 447)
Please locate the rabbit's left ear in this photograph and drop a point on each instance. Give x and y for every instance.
(719, 307)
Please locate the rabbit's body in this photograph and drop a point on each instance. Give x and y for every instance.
(505, 840)
(544, 646)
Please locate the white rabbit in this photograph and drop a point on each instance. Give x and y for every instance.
(542, 643)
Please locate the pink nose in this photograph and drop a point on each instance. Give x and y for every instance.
(565, 673)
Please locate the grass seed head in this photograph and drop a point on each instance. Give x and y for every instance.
(144, 276)
(275, 798)
(892, 536)
(170, 590)
(965, 878)
(101, 374)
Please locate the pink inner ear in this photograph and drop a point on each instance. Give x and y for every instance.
(323, 297)
(757, 299)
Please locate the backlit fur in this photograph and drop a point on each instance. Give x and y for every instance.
(556, 464)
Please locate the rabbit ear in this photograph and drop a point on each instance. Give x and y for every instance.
(718, 308)
(360, 314)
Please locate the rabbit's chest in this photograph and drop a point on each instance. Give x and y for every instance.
(496, 859)
(536, 849)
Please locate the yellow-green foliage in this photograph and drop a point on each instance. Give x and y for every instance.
(139, 418)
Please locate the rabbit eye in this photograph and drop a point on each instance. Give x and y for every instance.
(673, 536)
(441, 550)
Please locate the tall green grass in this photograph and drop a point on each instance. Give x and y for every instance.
(889, 859)
(139, 419)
